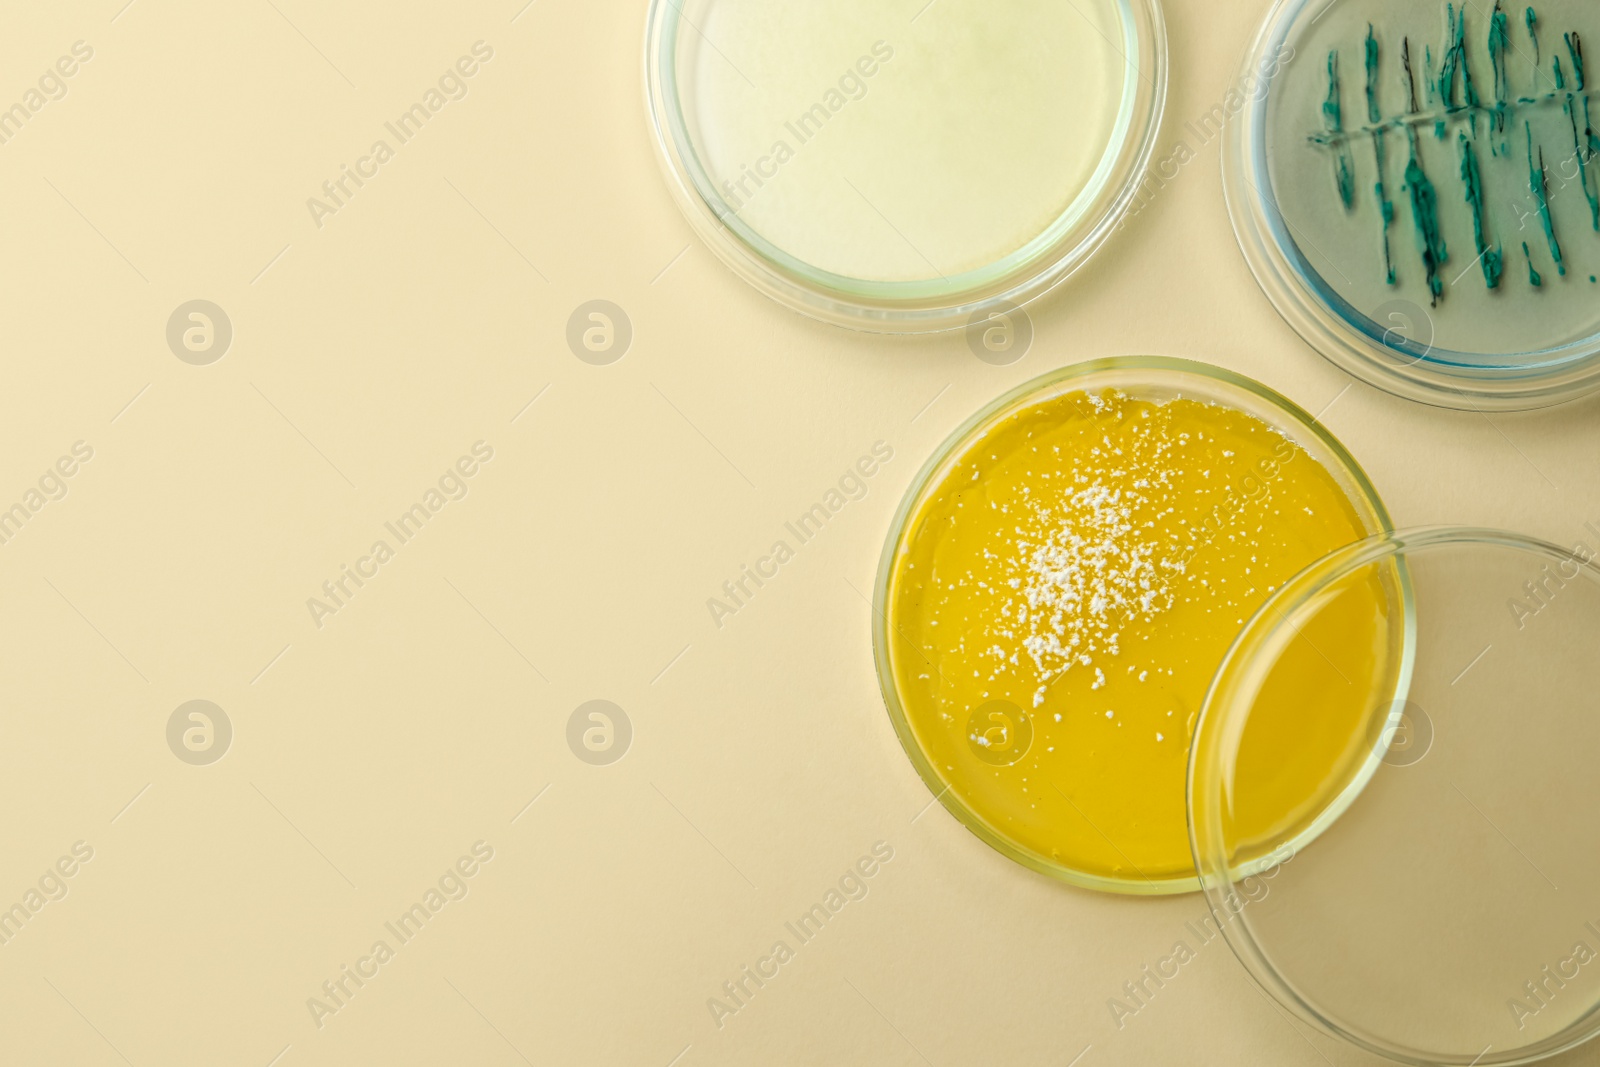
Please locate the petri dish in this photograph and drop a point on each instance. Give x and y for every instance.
(904, 166)
(1417, 190)
(1064, 577)
(1447, 912)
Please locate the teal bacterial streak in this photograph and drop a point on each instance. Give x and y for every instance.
(1533, 276)
(1449, 59)
(1332, 113)
(1411, 77)
(1375, 116)
(1541, 195)
(1333, 119)
(1472, 179)
(1583, 153)
(1457, 69)
(1575, 50)
(1499, 45)
(1588, 127)
(1464, 60)
(1425, 215)
(1385, 205)
(1374, 113)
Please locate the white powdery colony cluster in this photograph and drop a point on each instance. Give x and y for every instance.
(1086, 569)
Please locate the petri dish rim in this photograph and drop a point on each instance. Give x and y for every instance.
(1341, 333)
(920, 306)
(1169, 373)
(1215, 876)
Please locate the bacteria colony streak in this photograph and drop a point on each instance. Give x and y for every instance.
(1441, 94)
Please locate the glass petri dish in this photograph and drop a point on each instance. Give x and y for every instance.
(1415, 187)
(1070, 758)
(1450, 911)
(904, 166)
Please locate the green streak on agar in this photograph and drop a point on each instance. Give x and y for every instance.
(1332, 116)
(1444, 85)
(1473, 101)
(1425, 215)
(1533, 276)
(1448, 60)
(1333, 121)
(1583, 153)
(1457, 70)
(1375, 116)
(1541, 195)
(1411, 77)
(1472, 178)
(1499, 45)
(1575, 50)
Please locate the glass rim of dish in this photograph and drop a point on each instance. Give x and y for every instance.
(920, 306)
(1168, 373)
(1254, 643)
(1381, 356)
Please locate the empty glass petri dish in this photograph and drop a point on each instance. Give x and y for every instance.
(1449, 910)
(903, 166)
(1416, 188)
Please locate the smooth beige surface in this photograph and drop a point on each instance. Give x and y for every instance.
(371, 753)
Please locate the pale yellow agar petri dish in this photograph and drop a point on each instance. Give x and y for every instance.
(902, 166)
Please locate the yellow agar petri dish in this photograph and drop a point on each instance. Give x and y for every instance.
(1062, 583)
(903, 165)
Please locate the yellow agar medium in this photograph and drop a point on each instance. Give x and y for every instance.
(1061, 597)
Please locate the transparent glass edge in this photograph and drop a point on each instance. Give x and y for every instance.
(1214, 885)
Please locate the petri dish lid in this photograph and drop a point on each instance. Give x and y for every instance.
(1416, 188)
(1448, 912)
(905, 166)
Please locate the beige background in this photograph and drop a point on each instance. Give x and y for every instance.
(370, 753)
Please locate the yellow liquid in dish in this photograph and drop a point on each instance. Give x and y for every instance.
(1061, 598)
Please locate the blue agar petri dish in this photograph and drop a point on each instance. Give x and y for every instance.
(1416, 187)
